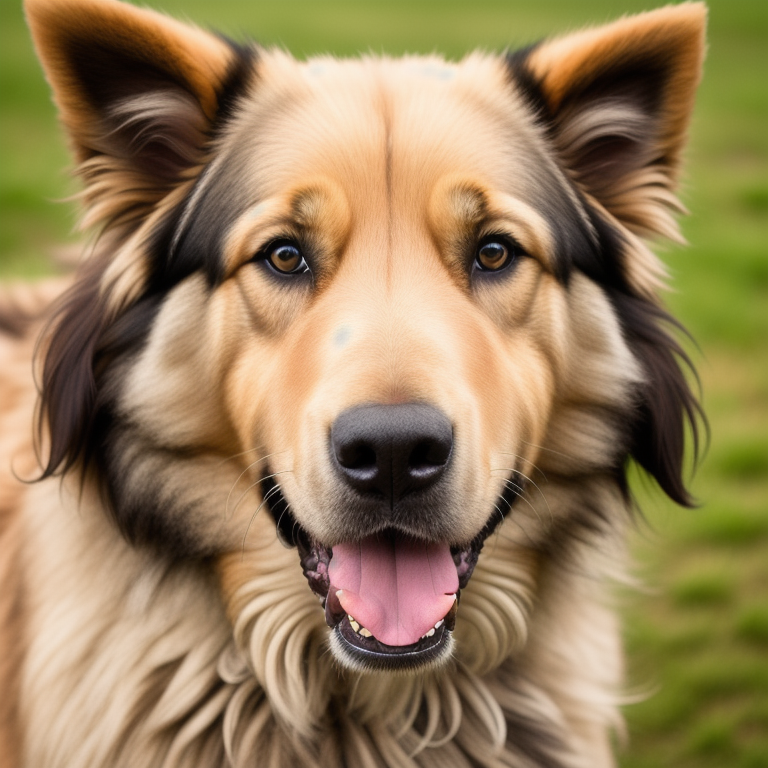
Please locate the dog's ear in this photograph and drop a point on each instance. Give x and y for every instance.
(618, 99)
(137, 93)
(616, 103)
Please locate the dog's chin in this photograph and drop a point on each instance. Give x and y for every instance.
(353, 645)
(367, 654)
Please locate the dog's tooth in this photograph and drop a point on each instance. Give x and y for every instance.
(365, 632)
(450, 617)
(439, 624)
(430, 633)
(353, 624)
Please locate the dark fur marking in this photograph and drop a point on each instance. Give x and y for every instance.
(528, 85)
(637, 77)
(237, 81)
(75, 401)
(109, 75)
(575, 244)
(666, 406)
(140, 502)
(68, 393)
(200, 245)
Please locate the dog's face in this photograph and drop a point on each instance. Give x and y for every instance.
(365, 306)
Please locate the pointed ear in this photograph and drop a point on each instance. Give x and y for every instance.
(619, 98)
(138, 93)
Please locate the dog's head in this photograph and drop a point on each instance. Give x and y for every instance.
(372, 308)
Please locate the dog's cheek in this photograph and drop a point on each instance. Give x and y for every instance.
(174, 389)
(595, 400)
(172, 460)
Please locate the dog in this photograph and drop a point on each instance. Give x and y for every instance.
(324, 458)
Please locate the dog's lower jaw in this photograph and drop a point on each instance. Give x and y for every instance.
(427, 653)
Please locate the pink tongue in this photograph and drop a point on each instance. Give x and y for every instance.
(395, 587)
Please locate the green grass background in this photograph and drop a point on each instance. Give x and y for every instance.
(698, 636)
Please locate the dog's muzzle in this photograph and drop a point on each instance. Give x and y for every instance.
(391, 587)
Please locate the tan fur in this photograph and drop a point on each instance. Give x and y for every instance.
(201, 644)
(17, 397)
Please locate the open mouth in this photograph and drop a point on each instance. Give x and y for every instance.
(391, 600)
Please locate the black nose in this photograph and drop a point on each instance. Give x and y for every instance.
(391, 450)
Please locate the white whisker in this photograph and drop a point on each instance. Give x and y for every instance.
(239, 477)
(529, 480)
(253, 517)
(255, 484)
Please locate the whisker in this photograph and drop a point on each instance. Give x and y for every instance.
(549, 450)
(512, 519)
(253, 517)
(520, 494)
(522, 458)
(254, 484)
(242, 453)
(529, 480)
(497, 532)
(239, 477)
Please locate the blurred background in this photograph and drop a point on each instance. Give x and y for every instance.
(697, 636)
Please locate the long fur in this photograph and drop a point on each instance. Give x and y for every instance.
(149, 614)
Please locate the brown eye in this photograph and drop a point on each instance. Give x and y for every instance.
(493, 255)
(286, 258)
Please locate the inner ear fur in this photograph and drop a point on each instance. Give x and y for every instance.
(137, 92)
(619, 100)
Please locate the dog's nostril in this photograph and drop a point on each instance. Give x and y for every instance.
(429, 455)
(360, 456)
(391, 450)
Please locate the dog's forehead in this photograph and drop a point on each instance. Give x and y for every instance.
(382, 125)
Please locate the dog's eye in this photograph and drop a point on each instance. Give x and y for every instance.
(285, 257)
(493, 254)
